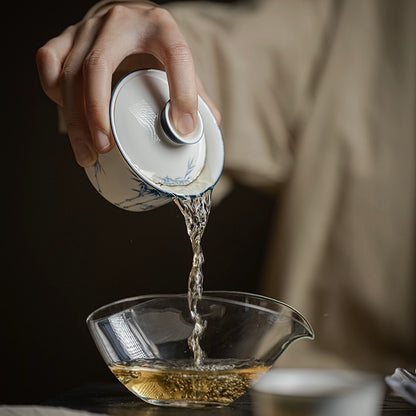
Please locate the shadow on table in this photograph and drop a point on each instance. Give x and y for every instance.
(116, 400)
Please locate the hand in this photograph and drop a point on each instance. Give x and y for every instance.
(77, 68)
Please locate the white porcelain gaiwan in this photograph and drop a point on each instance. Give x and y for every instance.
(151, 162)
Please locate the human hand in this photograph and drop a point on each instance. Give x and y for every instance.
(77, 68)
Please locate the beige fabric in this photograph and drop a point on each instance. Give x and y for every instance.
(318, 100)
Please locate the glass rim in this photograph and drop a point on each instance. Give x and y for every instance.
(207, 294)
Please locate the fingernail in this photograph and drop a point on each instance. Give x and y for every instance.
(185, 124)
(101, 141)
(83, 154)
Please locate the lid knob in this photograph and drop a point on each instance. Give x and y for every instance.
(194, 137)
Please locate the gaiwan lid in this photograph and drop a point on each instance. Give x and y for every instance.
(143, 132)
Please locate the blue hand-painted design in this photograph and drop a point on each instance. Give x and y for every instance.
(98, 170)
(144, 196)
(190, 168)
(185, 180)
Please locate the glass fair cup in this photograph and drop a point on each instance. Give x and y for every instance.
(144, 341)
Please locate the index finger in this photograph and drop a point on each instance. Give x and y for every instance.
(50, 58)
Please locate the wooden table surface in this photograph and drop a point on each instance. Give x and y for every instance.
(115, 400)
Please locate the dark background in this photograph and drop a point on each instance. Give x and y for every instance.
(67, 250)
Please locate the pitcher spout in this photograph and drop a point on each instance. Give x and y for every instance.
(302, 327)
(290, 326)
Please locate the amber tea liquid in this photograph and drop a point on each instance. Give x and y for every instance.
(216, 382)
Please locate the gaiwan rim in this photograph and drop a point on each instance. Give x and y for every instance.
(215, 294)
(166, 189)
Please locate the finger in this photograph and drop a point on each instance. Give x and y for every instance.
(50, 58)
(97, 81)
(97, 75)
(182, 90)
(109, 49)
(167, 43)
(72, 90)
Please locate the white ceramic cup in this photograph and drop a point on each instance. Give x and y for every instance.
(151, 162)
(317, 392)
